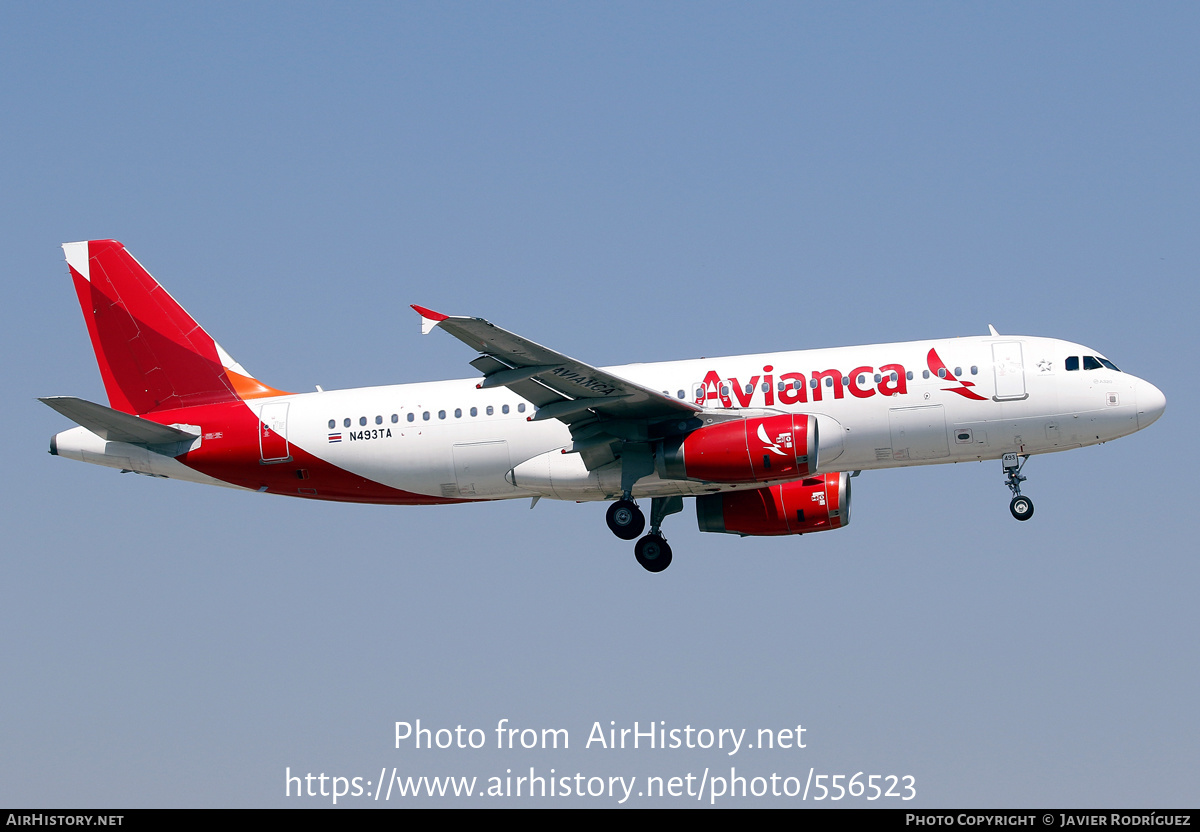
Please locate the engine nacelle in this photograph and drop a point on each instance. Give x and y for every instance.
(763, 449)
(814, 504)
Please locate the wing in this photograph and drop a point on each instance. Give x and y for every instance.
(610, 417)
(562, 387)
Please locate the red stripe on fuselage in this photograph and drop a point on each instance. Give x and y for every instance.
(230, 453)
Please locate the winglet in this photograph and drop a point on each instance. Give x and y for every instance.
(992, 330)
(429, 318)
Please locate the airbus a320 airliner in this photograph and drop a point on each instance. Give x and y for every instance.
(766, 444)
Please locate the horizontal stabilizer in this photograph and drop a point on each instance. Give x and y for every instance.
(115, 426)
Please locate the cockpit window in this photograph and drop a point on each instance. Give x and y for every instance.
(1091, 362)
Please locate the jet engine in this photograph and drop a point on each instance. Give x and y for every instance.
(813, 504)
(782, 447)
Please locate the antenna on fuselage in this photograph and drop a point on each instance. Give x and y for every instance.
(992, 330)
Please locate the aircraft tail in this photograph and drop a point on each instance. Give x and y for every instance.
(153, 356)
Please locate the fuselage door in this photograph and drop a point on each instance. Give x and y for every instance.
(1009, 367)
(272, 433)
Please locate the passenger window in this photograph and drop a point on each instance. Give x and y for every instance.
(332, 424)
(941, 372)
(813, 383)
(425, 415)
(411, 416)
(1072, 362)
(924, 374)
(458, 413)
(362, 421)
(680, 394)
(396, 418)
(504, 409)
(441, 414)
(878, 378)
(958, 371)
(379, 420)
(521, 407)
(908, 375)
(974, 371)
(474, 411)
(346, 423)
(490, 410)
(862, 379)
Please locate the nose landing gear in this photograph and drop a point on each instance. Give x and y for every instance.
(1020, 506)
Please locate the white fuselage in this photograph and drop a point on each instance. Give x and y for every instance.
(882, 406)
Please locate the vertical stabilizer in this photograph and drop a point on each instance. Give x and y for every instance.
(152, 355)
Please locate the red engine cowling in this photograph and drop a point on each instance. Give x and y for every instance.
(781, 447)
(809, 505)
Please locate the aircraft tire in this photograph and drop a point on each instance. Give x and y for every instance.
(1021, 508)
(625, 519)
(653, 553)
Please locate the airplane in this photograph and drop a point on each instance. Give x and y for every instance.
(766, 444)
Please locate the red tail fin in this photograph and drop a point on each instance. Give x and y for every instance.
(152, 354)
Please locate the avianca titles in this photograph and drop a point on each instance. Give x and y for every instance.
(765, 444)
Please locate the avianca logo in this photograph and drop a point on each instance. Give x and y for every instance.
(784, 439)
(939, 369)
(792, 388)
(772, 387)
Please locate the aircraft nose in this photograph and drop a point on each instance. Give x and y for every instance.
(1150, 403)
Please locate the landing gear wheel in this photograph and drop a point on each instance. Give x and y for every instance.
(625, 519)
(1021, 508)
(653, 553)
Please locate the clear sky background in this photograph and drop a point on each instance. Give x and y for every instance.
(623, 182)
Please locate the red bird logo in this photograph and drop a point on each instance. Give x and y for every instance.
(938, 368)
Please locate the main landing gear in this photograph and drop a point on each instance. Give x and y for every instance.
(653, 553)
(626, 521)
(1021, 506)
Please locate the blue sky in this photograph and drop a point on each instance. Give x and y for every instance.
(623, 183)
